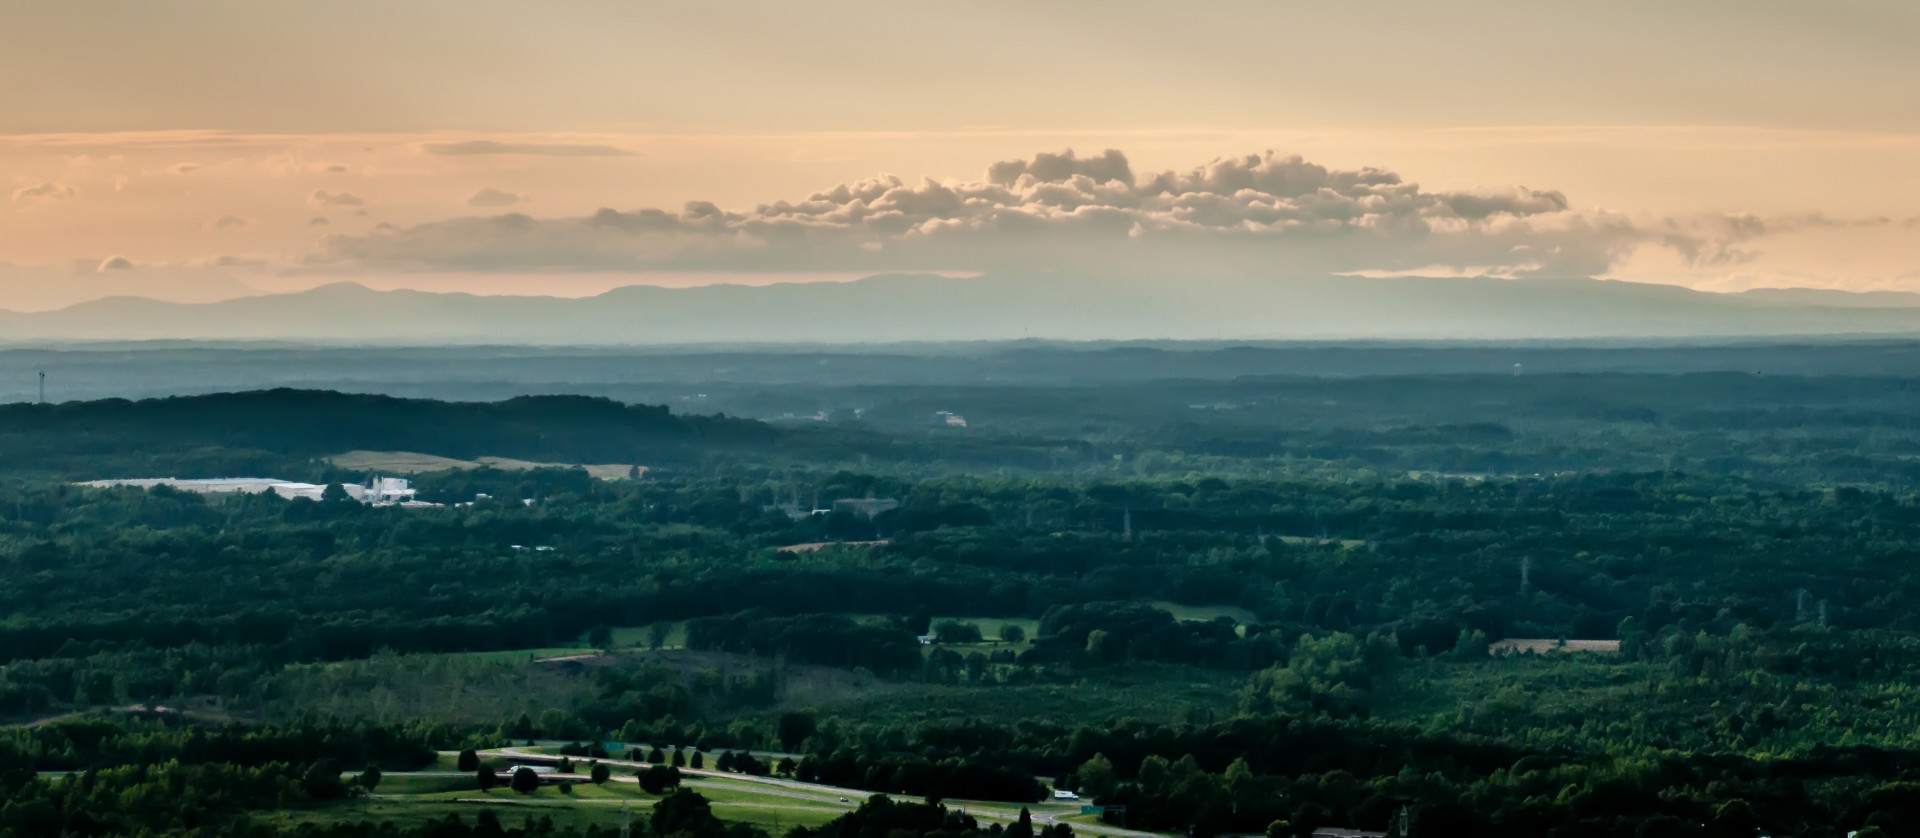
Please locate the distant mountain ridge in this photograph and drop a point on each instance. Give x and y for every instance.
(906, 308)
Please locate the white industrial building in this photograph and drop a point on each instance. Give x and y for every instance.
(378, 491)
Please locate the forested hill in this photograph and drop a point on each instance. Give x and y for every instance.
(185, 436)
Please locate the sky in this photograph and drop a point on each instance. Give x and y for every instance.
(199, 150)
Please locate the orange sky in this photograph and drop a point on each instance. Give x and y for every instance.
(214, 147)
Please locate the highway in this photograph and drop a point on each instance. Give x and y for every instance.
(831, 796)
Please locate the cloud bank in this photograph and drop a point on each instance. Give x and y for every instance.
(1258, 213)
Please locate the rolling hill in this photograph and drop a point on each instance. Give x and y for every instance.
(995, 307)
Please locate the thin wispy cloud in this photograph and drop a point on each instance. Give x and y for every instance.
(490, 197)
(494, 147)
(45, 192)
(323, 198)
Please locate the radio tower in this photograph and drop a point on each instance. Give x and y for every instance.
(43, 387)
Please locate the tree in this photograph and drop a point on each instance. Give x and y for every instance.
(600, 637)
(679, 758)
(1022, 828)
(486, 777)
(794, 727)
(1096, 777)
(468, 761)
(322, 781)
(1012, 633)
(600, 773)
(1472, 645)
(657, 635)
(565, 766)
(657, 756)
(1154, 774)
(525, 781)
(1098, 645)
(684, 812)
(950, 632)
(697, 762)
(659, 778)
(786, 767)
(487, 825)
(334, 493)
(370, 778)
(725, 762)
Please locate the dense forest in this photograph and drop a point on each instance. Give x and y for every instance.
(1237, 605)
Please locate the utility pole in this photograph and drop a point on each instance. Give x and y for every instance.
(43, 387)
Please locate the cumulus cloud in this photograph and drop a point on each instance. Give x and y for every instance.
(489, 147)
(115, 263)
(229, 222)
(333, 168)
(1264, 213)
(45, 192)
(323, 198)
(491, 197)
(1110, 165)
(183, 168)
(318, 221)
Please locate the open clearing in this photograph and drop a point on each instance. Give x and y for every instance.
(413, 462)
(674, 633)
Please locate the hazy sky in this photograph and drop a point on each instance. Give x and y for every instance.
(198, 149)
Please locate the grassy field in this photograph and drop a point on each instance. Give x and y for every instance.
(637, 637)
(411, 462)
(1152, 692)
(414, 800)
